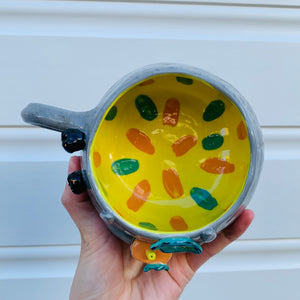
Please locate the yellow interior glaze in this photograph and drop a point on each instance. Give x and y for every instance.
(156, 209)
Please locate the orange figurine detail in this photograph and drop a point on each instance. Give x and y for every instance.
(141, 251)
(140, 140)
(184, 144)
(139, 196)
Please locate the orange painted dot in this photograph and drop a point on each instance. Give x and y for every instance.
(217, 166)
(140, 140)
(171, 112)
(242, 131)
(172, 183)
(178, 223)
(139, 196)
(97, 159)
(184, 144)
(146, 82)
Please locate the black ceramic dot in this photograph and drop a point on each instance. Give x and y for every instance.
(73, 140)
(76, 182)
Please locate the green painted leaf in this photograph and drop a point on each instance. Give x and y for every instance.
(147, 225)
(203, 198)
(111, 114)
(146, 107)
(214, 110)
(125, 166)
(184, 80)
(212, 142)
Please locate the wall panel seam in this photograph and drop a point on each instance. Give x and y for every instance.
(148, 21)
(35, 144)
(60, 261)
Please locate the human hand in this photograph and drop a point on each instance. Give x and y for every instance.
(106, 269)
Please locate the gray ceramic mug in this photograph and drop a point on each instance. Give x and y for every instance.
(170, 156)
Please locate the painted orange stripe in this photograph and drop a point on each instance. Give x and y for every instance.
(172, 183)
(217, 166)
(97, 159)
(146, 82)
(178, 223)
(184, 144)
(171, 112)
(242, 131)
(139, 196)
(140, 140)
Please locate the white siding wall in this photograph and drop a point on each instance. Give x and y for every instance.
(69, 53)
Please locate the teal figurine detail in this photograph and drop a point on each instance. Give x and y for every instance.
(156, 267)
(173, 245)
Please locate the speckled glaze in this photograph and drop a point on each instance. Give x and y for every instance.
(171, 151)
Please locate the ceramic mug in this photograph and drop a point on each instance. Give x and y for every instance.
(171, 156)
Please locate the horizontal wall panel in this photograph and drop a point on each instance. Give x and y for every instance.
(276, 201)
(248, 285)
(248, 3)
(75, 73)
(61, 261)
(275, 285)
(69, 53)
(35, 288)
(34, 270)
(33, 144)
(31, 210)
(146, 20)
(34, 171)
(259, 3)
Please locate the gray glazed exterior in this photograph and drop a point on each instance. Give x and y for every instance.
(59, 119)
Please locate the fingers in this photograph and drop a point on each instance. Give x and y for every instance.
(81, 209)
(224, 238)
(68, 198)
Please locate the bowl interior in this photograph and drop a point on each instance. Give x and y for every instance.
(172, 154)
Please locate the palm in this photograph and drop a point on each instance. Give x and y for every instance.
(114, 274)
(106, 269)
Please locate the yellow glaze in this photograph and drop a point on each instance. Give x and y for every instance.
(156, 195)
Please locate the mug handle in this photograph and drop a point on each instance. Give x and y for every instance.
(55, 118)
